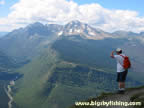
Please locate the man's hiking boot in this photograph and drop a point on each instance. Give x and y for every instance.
(120, 92)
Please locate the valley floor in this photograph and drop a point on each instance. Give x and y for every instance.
(8, 92)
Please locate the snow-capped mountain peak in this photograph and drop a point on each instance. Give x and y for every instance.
(84, 30)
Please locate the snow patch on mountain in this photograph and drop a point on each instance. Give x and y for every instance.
(60, 33)
(92, 33)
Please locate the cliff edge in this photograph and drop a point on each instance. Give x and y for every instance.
(132, 98)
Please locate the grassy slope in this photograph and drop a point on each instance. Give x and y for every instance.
(29, 94)
(31, 85)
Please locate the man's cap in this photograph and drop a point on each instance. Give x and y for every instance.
(118, 49)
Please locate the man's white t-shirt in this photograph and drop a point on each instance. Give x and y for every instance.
(119, 60)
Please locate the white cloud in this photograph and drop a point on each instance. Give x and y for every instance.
(62, 11)
(2, 2)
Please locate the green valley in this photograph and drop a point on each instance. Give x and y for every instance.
(71, 69)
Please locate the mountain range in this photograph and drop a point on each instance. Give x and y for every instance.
(3, 34)
(37, 35)
(62, 64)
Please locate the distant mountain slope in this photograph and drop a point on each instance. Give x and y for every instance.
(6, 63)
(24, 43)
(3, 34)
(92, 52)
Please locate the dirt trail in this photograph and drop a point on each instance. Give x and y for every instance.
(122, 97)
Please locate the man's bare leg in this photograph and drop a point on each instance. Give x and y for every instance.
(121, 87)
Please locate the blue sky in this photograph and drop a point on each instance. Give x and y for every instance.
(108, 15)
(5, 9)
(136, 5)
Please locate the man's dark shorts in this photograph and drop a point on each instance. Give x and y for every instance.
(121, 76)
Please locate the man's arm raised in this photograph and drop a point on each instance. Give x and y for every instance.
(112, 54)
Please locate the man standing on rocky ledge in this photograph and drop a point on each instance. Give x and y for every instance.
(123, 64)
